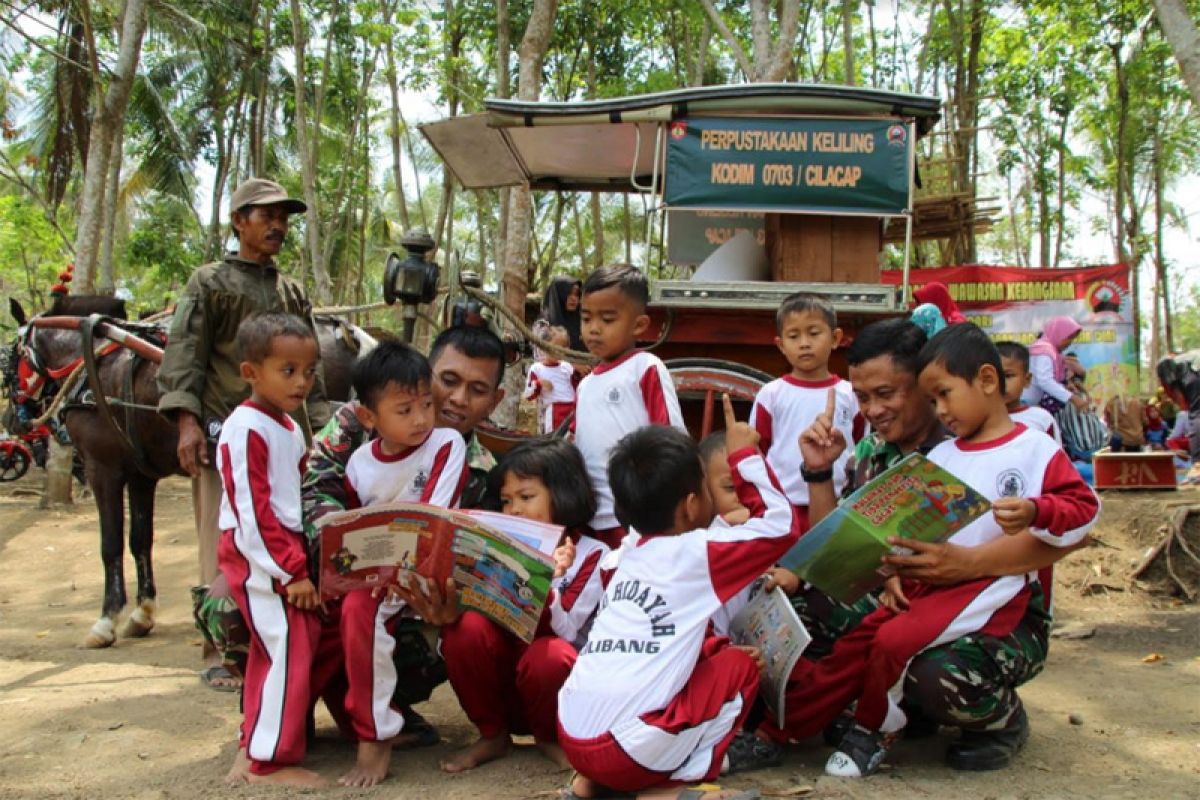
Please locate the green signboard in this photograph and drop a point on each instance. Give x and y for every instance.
(818, 165)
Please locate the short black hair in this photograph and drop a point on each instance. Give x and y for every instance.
(650, 471)
(897, 337)
(711, 445)
(388, 362)
(628, 279)
(1015, 351)
(257, 333)
(962, 350)
(473, 341)
(801, 302)
(558, 464)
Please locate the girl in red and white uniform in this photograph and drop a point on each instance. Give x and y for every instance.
(552, 383)
(504, 685)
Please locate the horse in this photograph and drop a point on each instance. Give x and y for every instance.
(129, 448)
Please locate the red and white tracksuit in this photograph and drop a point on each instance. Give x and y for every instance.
(1038, 419)
(433, 472)
(260, 457)
(783, 409)
(508, 686)
(870, 660)
(559, 401)
(651, 701)
(617, 398)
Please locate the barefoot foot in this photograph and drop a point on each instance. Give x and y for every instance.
(483, 751)
(297, 777)
(371, 766)
(553, 752)
(239, 773)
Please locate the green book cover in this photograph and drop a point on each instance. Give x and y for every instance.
(915, 499)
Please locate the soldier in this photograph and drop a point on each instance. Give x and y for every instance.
(200, 379)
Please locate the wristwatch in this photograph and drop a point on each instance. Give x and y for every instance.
(819, 476)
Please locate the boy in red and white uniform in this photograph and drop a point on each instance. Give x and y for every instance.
(1032, 485)
(629, 389)
(1014, 357)
(806, 334)
(651, 702)
(409, 461)
(260, 458)
(552, 383)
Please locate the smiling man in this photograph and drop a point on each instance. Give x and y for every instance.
(200, 379)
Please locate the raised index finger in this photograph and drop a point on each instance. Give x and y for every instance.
(727, 404)
(831, 404)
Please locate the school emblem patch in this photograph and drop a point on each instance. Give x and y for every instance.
(420, 481)
(1010, 483)
(614, 395)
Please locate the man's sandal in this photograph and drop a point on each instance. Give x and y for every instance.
(210, 677)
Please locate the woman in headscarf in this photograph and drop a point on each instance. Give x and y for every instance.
(561, 307)
(937, 294)
(1049, 366)
(1180, 377)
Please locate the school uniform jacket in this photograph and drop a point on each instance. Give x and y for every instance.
(617, 398)
(575, 596)
(654, 616)
(787, 406)
(1038, 419)
(261, 458)
(433, 472)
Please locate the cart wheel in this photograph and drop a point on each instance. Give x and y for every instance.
(706, 379)
(14, 466)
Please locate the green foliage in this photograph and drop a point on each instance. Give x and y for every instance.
(31, 252)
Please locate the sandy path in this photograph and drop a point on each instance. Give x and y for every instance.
(133, 721)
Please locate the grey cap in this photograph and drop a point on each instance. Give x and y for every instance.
(262, 192)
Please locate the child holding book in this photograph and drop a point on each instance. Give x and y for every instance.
(504, 685)
(629, 389)
(728, 511)
(651, 701)
(409, 461)
(806, 334)
(552, 383)
(1014, 358)
(1031, 484)
(260, 458)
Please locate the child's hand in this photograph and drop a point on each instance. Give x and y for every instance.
(893, 598)
(822, 443)
(755, 654)
(738, 435)
(564, 557)
(1014, 514)
(303, 594)
(784, 579)
(739, 517)
(547, 386)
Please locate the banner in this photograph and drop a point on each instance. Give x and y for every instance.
(692, 236)
(812, 164)
(1013, 304)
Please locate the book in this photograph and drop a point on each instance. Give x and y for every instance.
(914, 499)
(769, 622)
(501, 564)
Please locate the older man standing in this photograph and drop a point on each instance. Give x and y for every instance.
(200, 379)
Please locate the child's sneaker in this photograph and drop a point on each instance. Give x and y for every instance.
(748, 752)
(860, 753)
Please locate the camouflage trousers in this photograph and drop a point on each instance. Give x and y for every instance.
(969, 683)
(419, 667)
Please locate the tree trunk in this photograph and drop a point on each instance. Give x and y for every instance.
(394, 131)
(59, 482)
(110, 117)
(1179, 28)
(106, 283)
(848, 39)
(308, 167)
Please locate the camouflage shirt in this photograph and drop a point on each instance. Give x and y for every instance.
(324, 487)
(200, 370)
(873, 455)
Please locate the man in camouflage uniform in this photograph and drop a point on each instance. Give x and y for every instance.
(971, 682)
(200, 377)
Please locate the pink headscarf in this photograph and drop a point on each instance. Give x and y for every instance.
(939, 295)
(1055, 333)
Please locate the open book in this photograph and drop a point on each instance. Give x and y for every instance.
(502, 564)
(769, 622)
(915, 499)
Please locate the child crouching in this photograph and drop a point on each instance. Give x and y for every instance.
(651, 702)
(260, 458)
(504, 685)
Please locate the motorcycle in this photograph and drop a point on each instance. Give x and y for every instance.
(15, 458)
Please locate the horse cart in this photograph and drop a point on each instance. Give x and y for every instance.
(770, 188)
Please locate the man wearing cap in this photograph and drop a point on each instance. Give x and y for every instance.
(200, 378)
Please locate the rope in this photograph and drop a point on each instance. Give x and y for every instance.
(337, 311)
(68, 386)
(566, 354)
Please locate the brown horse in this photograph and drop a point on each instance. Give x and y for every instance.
(137, 449)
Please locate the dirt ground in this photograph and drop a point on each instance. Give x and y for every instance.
(133, 721)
